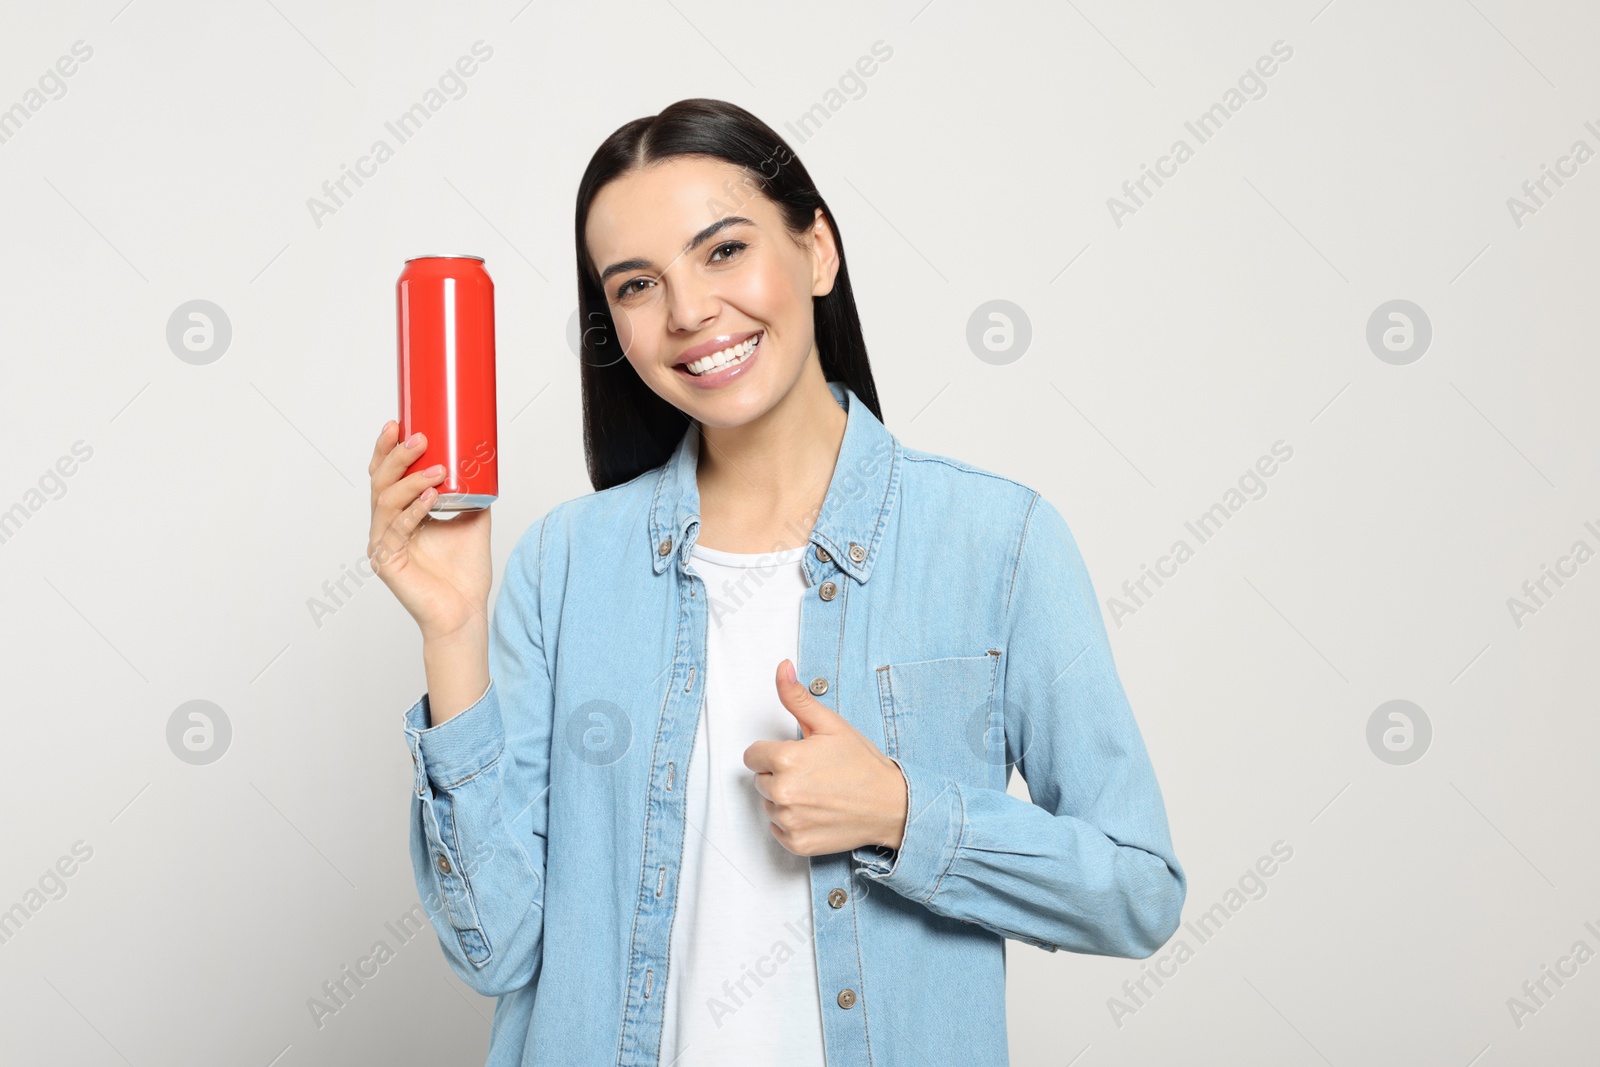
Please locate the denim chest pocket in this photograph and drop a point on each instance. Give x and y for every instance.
(939, 714)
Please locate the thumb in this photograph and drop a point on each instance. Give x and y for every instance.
(812, 715)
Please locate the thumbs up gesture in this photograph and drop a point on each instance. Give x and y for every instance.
(831, 791)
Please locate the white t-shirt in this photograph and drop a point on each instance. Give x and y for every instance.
(742, 974)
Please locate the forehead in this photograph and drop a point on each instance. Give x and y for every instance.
(652, 211)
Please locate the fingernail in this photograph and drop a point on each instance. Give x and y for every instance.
(436, 470)
(411, 442)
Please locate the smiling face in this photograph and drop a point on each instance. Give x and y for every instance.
(700, 272)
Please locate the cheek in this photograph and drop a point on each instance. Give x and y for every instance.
(623, 323)
(771, 295)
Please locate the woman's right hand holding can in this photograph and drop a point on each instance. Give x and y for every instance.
(440, 571)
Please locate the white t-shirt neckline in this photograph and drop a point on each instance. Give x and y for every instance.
(747, 559)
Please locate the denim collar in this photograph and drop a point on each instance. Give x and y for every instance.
(855, 510)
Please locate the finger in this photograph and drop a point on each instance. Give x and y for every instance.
(771, 811)
(763, 784)
(381, 446)
(394, 463)
(402, 495)
(758, 757)
(407, 489)
(401, 527)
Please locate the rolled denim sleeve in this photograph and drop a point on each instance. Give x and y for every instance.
(478, 805)
(1088, 866)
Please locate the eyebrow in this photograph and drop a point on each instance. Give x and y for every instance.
(695, 242)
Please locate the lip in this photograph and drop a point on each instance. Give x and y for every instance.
(716, 344)
(719, 378)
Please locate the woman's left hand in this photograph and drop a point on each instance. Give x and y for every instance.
(831, 791)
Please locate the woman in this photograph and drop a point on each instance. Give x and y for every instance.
(724, 781)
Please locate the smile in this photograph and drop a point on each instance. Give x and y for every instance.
(726, 358)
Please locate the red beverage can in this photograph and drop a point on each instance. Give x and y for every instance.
(446, 327)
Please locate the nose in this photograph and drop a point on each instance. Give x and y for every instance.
(692, 301)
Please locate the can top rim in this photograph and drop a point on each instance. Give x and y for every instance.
(445, 255)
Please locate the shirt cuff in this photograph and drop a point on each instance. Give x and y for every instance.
(935, 821)
(459, 748)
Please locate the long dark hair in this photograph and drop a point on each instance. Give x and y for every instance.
(627, 428)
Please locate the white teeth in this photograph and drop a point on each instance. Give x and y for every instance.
(721, 359)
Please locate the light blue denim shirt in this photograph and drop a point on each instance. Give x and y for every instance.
(948, 617)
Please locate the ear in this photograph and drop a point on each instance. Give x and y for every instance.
(824, 255)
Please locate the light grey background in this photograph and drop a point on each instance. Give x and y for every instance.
(1167, 354)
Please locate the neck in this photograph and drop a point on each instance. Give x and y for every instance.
(762, 483)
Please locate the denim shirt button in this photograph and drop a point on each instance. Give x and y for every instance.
(666, 548)
(444, 864)
(822, 554)
(857, 553)
(819, 686)
(837, 897)
(847, 998)
(828, 591)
